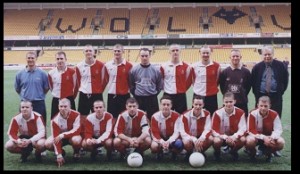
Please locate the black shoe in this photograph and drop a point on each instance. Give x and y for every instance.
(25, 152)
(140, 152)
(82, 152)
(123, 156)
(205, 156)
(252, 159)
(76, 157)
(23, 159)
(108, 156)
(174, 156)
(94, 154)
(159, 156)
(269, 159)
(38, 156)
(247, 151)
(277, 153)
(187, 157)
(235, 155)
(217, 156)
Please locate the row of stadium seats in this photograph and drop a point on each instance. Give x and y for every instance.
(26, 22)
(159, 56)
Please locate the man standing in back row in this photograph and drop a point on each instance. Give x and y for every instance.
(270, 78)
(236, 79)
(62, 82)
(32, 85)
(146, 83)
(177, 79)
(117, 77)
(206, 79)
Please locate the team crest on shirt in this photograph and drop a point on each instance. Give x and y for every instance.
(124, 70)
(234, 88)
(228, 78)
(97, 71)
(67, 77)
(241, 81)
(182, 71)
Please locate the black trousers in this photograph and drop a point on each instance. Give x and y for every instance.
(244, 107)
(116, 104)
(86, 102)
(149, 104)
(179, 102)
(210, 103)
(55, 102)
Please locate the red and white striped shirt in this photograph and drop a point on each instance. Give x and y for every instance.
(63, 83)
(67, 127)
(233, 124)
(163, 128)
(177, 78)
(33, 127)
(269, 125)
(132, 126)
(90, 77)
(99, 128)
(117, 77)
(195, 127)
(205, 78)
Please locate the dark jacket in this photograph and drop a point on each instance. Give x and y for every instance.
(281, 76)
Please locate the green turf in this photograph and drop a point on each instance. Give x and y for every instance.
(11, 161)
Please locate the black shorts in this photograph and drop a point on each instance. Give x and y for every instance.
(86, 102)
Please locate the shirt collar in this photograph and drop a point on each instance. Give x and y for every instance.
(64, 70)
(210, 63)
(239, 67)
(122, 63)
(27, 69)
(100, 118)
(269, 64)
(233, 112)
(30, 118)
(164, 116)
(177, 64)
(85, 64)
(261, 115)
(201, 114)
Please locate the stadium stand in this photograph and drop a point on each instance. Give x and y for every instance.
(229, 19)
(146, 21)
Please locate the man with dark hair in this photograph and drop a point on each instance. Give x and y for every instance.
(62, 82)
(165, 130)
(132, 129)
(228, 128)
(196, 129)
(146, 83)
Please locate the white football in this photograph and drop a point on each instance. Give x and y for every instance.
(196, 159)
(135, 160)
